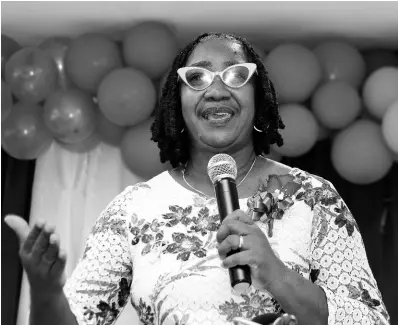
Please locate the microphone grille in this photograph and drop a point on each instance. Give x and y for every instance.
(221, 166)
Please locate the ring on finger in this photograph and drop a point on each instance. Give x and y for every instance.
(240, 242)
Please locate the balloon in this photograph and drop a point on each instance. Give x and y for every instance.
(389, 127)
(6, 101)
(380, 90)
(8, 48)
(109, 132)
(140, 153)
(341, 61)
(294, 70)
(126, 97)
(70, 115)
(260, 51)
(377, 59)
(31, 74)
(56, 47)
(89, 59)
(336, 104)
(23, 133)
(301, 130)
(359, 153)
(150, 47)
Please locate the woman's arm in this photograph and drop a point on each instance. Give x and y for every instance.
(299, 297)
(341, 278)
(99, 287)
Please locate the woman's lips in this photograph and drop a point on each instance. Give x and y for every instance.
(217, 113)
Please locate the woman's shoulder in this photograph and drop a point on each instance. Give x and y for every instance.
(279, 169)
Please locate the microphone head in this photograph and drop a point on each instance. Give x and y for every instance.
(221, 166)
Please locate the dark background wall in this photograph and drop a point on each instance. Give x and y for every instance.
(374, 206)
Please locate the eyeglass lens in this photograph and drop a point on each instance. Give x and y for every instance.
(233, 77)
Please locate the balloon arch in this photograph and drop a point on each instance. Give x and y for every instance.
(81, 91)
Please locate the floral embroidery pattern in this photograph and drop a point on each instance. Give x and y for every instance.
(252, 305)
(204, 222)
(108, 311)
(145, 312)
(178, 214)
(185, 245)
(152, 234)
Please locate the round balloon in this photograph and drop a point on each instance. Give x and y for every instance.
(109, 132)
(56, 47)
(294, 70)
(336, 104)
(23, 134)
(31, 74)
(6, 101)
(390, 127)
(341, 61)
(8, 47)
(359, 153)
(70, 115)
(376, 59)
(126, 97)
(301, 130)
(140, 153)
(150, 47)
(380, 90)
(89, 59)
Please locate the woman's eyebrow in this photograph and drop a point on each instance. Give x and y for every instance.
(208, 64)
(202, 64)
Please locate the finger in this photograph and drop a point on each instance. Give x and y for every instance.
(231, 227)
(241, 258)
(19, 226)
(230, 243)
(34, 234)
(41, 244)
(59, 265)
(50, 256)
(241, 216)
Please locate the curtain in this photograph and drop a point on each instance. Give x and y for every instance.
(16, 185)
(69, 191)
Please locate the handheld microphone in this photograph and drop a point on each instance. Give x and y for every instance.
(222, 172)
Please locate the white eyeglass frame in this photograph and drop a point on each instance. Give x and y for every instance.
(252, 67)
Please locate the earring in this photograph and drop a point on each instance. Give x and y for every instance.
(182, 131)
(257, 129)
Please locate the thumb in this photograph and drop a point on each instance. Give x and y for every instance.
(19, 225)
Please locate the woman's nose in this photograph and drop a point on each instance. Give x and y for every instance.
(217, 90)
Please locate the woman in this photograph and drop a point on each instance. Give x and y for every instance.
(162, 240)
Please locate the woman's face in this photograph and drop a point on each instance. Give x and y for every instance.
(207, 113)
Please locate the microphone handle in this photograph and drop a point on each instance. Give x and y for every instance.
(228, 201)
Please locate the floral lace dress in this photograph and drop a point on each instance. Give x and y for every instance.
(155, 244)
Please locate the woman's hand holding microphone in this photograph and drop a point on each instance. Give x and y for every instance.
(239, 231)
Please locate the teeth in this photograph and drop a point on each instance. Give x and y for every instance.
(218, 116)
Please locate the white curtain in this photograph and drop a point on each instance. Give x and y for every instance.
(70, 190)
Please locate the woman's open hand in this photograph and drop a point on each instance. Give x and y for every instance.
(265, 266)
(40, 255)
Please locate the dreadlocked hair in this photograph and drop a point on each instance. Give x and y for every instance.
(167, 128)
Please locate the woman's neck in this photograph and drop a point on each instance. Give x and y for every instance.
(196, 167)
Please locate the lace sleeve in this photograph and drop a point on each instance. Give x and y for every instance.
(340, 265)
(99, 287)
